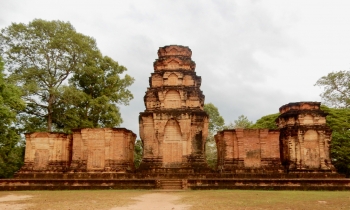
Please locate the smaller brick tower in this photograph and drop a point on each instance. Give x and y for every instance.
(304, 137)
(174, 126)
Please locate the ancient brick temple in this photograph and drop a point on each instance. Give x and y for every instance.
(301, 144)
(174, 126)
(173, 129)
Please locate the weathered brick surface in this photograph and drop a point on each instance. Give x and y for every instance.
(240, 150)
(103, 149)
(46, 152)
(301, 144)
(89, 149)
(174, 126)
(305, 137)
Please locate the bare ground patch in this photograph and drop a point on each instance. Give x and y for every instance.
(177, 200)
(155, 201)
(10, 202)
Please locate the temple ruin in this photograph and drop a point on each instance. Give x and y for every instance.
(86, 150)
(173, 129)
(174, 126)
(305, 138)
(301, 144)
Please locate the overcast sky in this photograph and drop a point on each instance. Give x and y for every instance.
(253, 56)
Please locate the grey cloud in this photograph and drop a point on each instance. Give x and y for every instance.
(224, 37)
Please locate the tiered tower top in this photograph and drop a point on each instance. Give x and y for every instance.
(296, 106)
(174, 57)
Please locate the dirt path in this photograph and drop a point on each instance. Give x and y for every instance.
(155, 201)
(7, 202)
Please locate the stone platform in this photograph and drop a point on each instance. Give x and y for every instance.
(177, 181)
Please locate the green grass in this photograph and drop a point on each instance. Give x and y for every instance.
(245, 199)
(206, 199)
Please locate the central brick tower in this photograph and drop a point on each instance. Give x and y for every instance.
(174, 126)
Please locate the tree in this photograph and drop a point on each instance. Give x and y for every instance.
(42, 56)
(138, 151)
(336, 89)
(337, 95)
(11, 147)
(242, 122)
(339, 121)
(91, 98)
(267, 121)
(216, 123)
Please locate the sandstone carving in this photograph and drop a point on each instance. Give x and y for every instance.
(174, 126)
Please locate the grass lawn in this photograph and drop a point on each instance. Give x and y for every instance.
(208, 199)
(246, 199)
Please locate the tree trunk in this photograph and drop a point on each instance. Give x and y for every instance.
(49, 112)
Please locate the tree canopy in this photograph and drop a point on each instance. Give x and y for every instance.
(216, 121)
(336, 89)
(11, 147)
(96, 91)
(242, 122)
(336, 94)
(267, 121)
(42, 56)
(338, 120)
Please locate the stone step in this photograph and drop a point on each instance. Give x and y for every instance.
(174, 184)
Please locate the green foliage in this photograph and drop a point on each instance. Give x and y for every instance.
(337, 94)
(91, 98)
(267, 121)
(211, 153)
(42, 56)
(339, 121)
(216, 123)
(229, 126)
(11, 146)
(242, 122)
(340, 151)
(336, 89)
(138, 151)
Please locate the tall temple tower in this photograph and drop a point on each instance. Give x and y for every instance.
(174, 126)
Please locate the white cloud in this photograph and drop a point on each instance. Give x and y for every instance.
(253, 56)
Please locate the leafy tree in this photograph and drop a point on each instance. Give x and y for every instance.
(340, 151)
(216, 123)
(11, 147)
(95, 91)
(242, 122)
(138, 151)
(336, 94)
(229, 126)
(339, 121)
(267, 121)
(336, 89)
(42, 56)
